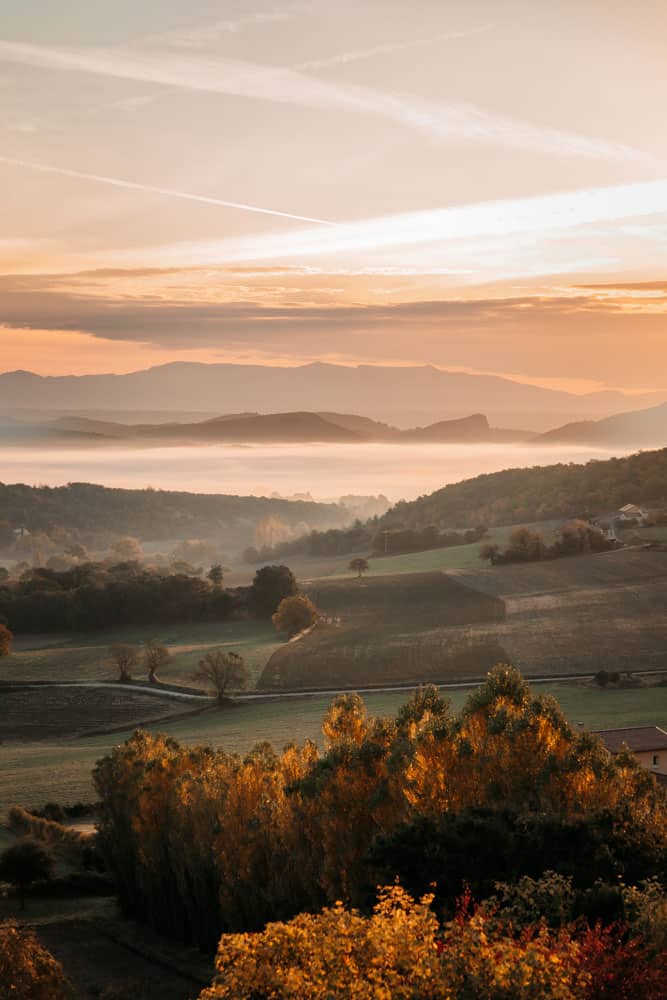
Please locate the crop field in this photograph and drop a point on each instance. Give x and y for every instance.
(388, 629)
(583, 614)
(60, 769)
(36, 714)
(86, 657)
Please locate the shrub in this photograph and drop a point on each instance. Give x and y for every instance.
(295, 614)
(27, 970)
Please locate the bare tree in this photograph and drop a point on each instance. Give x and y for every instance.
(156, 657)
(125, 658)
(359, 565)
(222, 672)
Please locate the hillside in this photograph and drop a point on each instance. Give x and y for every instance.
(534, 494)
(404, 396)
(153, 514)
(641, 428)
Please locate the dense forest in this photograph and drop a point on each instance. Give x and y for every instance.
(153, 514)
(516, 496)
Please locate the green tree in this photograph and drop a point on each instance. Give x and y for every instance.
(5, 641)
(269, 587)
(23, 863)
(295, 614)
(221, 672)
(216, 575)
(359, 565)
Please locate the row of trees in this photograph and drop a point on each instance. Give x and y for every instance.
(575, 538)
(201, 841)
(98, 595)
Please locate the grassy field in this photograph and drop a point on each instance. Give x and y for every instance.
(86, 657)
(388, 629)
(32, 774)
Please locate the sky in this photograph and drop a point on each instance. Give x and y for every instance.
(477, 185)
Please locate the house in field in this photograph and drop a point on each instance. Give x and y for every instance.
(631, 512)
(647, 743)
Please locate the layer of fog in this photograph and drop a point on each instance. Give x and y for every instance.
(324, 471)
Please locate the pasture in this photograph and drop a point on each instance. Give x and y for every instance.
(389, 629)
(60, 769)
(581, 614)
(86, 657)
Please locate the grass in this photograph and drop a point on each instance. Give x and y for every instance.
(31, 774)
(86, 657)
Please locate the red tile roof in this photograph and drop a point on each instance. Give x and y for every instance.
(637, 738)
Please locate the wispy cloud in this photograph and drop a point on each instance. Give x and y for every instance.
(154, 189)
(438, 121)
(208, 33)
(343, 58)
(487, 221)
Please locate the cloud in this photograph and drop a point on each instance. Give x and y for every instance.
(205, 34)
(153, 189)
(343, 58)
(501, 220)
(440, 122)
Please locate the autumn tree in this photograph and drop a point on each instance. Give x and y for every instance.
(125, 658)
(5, 641)
(155, 657)
(127, 550)
(294, 614)
(23, 863)
(221, 672)
(27, 970)
(358, 565)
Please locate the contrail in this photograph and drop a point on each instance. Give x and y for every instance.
(152, 189)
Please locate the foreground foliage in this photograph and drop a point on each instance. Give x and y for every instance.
(27, 970)
(227, 843)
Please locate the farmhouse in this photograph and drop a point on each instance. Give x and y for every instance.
(631, 512)
(647, 743)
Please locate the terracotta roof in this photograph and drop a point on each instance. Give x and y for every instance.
(637, 738)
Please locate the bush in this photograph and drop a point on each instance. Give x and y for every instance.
(295, 614)
(27, 970)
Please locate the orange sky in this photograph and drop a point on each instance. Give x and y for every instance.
(478, 186)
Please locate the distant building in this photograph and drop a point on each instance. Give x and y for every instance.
(631, 512)
(647, 743)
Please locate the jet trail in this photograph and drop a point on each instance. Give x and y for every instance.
(152, 189)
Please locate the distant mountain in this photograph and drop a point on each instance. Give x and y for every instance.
(641, 428)
(268, 428)
(406, 397)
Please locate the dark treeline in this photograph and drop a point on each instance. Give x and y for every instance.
(201, 841)
(535, 494)
(97, 595)
(150, 514)
(574, 539)
(366, 538)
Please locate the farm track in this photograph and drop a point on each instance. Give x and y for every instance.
(309, 692)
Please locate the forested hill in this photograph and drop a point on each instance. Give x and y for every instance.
(150, 514)
(515, 496)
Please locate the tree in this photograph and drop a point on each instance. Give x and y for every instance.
(27, 970)
(221, 672)
(359, 565)
(489, 552)
(5, 641)
(295, 614)
(125, 659)
(23, 863)
(127, 550)
(269, 587)
(156, 657)
(216, 575)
